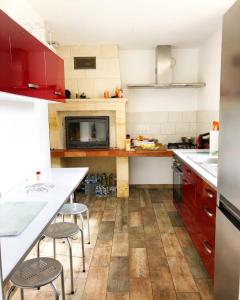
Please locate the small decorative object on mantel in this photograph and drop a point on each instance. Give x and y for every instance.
(67, 94)
(118, 93)
(83, 96)
(106, 94)
(38, 173)
(128, 143)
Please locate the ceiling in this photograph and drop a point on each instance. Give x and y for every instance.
(132, 24)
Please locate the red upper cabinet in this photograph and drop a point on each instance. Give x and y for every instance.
(28, 63)
(55, 76)
(32, 73)
(5, 55)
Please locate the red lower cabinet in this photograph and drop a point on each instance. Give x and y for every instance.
(199, 215)
(206, 251)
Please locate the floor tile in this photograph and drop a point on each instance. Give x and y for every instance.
(106, 231)
(120, 244)
(205, 288)
(96, 285)
(171, 245)
(188, 296)
(140, 289)
(109, 214)
(175, 219)
(138, 263)
(182, 277)
(183, 237)
(117, 296)
(118, 279)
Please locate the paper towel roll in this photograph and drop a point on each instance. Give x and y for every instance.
(213, 147)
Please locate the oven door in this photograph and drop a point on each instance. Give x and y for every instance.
(177, 187)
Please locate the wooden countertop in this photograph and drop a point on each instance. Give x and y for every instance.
(64, 153)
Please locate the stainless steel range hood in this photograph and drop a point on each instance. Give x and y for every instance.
(163, 72)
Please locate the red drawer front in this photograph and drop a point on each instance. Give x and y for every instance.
(188, 173)
(209, 197)
(208, 220)
(206, 251)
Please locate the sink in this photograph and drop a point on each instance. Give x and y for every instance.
(208, 163)
(212, 161)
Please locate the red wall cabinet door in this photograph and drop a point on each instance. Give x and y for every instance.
(26, 62)
(55, 76)
(5, 54)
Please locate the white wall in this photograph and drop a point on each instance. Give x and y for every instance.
(165, 114)
(209, 72)
(24, 139)
(24, 132)
(26, 16)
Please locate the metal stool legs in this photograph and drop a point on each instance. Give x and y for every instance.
(82, 223)
(10, 291)
(22, 294)
(56, 293)
(62, 285)
(71, 265)
(70, 255)
(88, 228)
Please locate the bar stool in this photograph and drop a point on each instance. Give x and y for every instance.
(75, 209)
(36, 273)
(64, 230)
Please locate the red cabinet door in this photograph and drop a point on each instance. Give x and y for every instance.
(5, 55)
(189, 200)
(28, 67)
(28, 63)
(55, 76)
(206, 217)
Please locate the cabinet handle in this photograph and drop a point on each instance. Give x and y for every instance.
(57, 93)
(207, 247)
(33, 86)
(208, 212)
(209, 194)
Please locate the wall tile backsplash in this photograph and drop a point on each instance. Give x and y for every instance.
(169, 127)
(166, 126)
(205, 119)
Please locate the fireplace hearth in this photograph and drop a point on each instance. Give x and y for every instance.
(87, 132)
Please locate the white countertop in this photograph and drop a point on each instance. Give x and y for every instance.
(65, 181)
(185, 155)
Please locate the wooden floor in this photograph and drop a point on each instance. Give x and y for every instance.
(139, 250)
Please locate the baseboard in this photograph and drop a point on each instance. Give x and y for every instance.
(151, 186)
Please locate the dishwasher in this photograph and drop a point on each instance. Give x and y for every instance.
(177, 182)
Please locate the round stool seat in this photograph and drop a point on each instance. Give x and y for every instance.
(36, 272)
(61, 230)
(73, 209)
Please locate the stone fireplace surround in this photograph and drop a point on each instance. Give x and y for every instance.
(114, 108)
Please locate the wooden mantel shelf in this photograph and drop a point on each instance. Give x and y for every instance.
(64, 153)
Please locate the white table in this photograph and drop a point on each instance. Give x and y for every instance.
(15, 249)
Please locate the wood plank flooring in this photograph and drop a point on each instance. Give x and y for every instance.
(139, 250)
